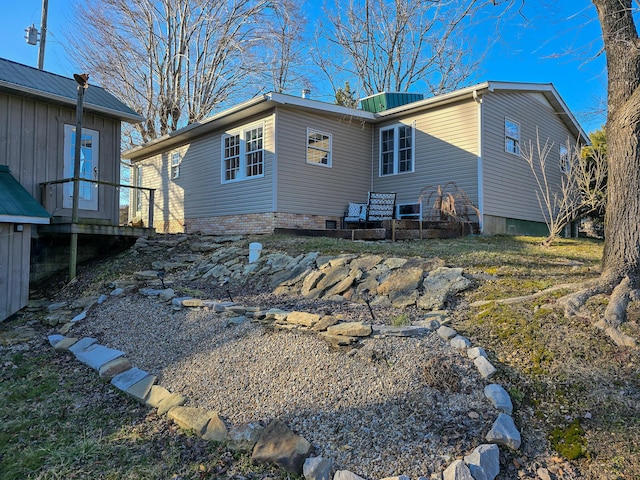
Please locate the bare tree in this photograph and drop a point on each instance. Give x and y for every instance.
(173, 61)
(581, 189)
(282, 45)
(392, 45)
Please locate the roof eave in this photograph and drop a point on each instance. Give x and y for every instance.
(124, 116)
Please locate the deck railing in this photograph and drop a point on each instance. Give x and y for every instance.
(53, 195)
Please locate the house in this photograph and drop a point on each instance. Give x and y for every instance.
(37, 139)
(280, 161)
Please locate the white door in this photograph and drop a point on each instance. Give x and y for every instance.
(89, 155)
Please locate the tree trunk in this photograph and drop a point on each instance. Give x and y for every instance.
(621, 257)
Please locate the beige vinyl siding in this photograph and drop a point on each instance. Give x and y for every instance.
(509, 185)
(15, 250)
(199, 192)
(316, 189)
(32, 145)
(446, 150)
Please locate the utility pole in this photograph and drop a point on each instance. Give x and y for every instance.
(43, 34)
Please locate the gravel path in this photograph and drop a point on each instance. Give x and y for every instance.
(370, 409)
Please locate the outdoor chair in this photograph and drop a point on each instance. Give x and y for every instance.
(379, 207)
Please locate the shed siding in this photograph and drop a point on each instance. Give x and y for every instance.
(32, 145)
(509, 185)
(446, 150)
(305, 188)
(14, 269)
(199, 192)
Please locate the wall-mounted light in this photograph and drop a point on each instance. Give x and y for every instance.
(18, 227)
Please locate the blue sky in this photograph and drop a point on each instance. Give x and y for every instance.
(551, 41)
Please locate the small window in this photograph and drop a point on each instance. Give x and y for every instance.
(409, 211)
(318, 148)
(175, 165)
(511, 137)
(565, 161)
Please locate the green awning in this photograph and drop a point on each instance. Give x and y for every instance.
(16, 205)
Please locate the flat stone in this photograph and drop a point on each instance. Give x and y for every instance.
(504, 432)
(81, 316)
(317, 468)
(324, 323)
(343, 285)
(191, 418)
(242, 438)
(156, 395)
(82, 344)
(97, 355)
(101, 299)
(399, 477)
(129, 378)
(458, 470)
(166, 294)
(140, 390)
(346, 475)
(395, 262)
(352, 329)
(486, 369)
(485, 458)
(116, 292)
(401, 280)
(114, 367)
(146, 275)
(279, 445)
(476, 352)
(150, 292)
(216, 430)
(332, 276)
(172, 400)
(65, 343)
(365, 262)
(177, 302)
(303, 318)
(55, 339)
(446, 333)
(499, 397)
(338, 340)
(460, 342)
(400, 331)
(276, 314)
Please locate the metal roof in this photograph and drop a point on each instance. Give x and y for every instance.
(23, 80)
(16, 205)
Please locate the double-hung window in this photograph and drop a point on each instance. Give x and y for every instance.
(396, 149)
(243, 154)
(511, 136)
(318, 147)
(175, 165)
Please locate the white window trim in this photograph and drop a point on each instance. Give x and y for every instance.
(175, 165)
(506, 137)
(396, 162)
(242, 169)
(329, 151)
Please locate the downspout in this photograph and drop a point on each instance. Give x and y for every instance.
(274, 167)
(478, 100)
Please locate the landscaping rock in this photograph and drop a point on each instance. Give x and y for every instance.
(499, 397)
(460, 342)
(242, 438)
(317, 468)
(486, 369)
(352, 329)
(484, 460)
(446, 333)
(504, 432)
(346, 475)
(95, 356)
(458, 470)
(281, 446)
(113, 368)
(303, 318)
(174, 399)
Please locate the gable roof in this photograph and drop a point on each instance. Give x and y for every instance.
(267, 101)
(26, 81)
(16, 205)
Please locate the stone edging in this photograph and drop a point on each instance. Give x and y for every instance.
(276, 443)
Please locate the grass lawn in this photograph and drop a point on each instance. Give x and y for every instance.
(576, 395)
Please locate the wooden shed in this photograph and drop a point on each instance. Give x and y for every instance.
(18, 211)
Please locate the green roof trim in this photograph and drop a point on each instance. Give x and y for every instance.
(16, 205)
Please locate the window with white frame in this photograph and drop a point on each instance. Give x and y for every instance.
(565, 163)
(396, 149)
(243, 154)
(175, 165)
(511, 136)
(318, 147)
